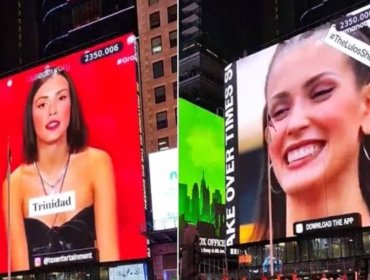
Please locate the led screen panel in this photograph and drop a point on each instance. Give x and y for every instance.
(163, 167)
(297, 126)
(201, 181)
(75, 194)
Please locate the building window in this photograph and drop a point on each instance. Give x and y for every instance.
(160, 94)
(172, 13)
(173, 38)
(174, 88)
(162, 120)
(155, 20)
(156, 45)
(174, 64)
(151, 2)
(163, 143)
(158, 69)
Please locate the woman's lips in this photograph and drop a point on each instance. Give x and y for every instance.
(300, 154)
(52, 125)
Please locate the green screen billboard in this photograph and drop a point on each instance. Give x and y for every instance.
(201, 178)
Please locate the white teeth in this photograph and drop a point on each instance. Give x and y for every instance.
(302, 152)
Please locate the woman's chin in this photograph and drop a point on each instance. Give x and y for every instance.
(304, 176)
(300, 187)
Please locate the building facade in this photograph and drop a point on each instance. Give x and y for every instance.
(157, 23)
(158, 57)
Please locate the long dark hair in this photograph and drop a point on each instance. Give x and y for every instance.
(76, 131)
(362, 75)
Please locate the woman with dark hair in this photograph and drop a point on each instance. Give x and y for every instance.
(316, 122)
(62, 198)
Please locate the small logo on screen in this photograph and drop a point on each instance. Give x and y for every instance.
(37, 261)
(299, 228)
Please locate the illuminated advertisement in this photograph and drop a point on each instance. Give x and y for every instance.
(136, 271)
(201, 180)
(163, 167)
(72, 160)
(297, 120)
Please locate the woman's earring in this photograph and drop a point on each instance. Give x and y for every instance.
(270, 184)
(365, 152)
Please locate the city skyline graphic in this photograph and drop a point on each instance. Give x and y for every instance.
(201, 171)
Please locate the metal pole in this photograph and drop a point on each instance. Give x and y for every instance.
(226, 266)
(8, 162)
(271, 236)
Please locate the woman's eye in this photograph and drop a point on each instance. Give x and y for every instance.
(279, 114)
(323, 94)
(63, 97)
(41, 105)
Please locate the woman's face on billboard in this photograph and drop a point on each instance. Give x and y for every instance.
(51, 110)
(316, 111)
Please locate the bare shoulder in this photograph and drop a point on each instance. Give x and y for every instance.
(20, 175)
(99, 164)
(96, 156)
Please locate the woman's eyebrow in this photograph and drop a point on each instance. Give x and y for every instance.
(41, 97)
(46, 97)
(317, 77)
(61, 90)
(283, 95)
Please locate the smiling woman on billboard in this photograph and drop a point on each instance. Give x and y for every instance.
(316, 122)
(63, 196)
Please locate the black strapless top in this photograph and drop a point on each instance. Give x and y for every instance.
(77, 233)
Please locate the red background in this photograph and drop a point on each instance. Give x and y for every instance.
(108, 95)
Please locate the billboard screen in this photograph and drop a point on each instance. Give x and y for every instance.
(296, 126)
(163, 168)
(71, 140)
(201, 180)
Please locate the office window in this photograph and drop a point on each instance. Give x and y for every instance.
(173, 38)
(174, 88)
(151, 2)
(155, 20)
(162, 120)
(160, 94)
(163, 143)
(172, 13)
(156, 45)
(174, 64)
(292, 251)
(158, 69)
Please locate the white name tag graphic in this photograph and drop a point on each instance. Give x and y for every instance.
(52, 204)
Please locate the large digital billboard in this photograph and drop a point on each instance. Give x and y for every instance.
(201, 181)
(163, 168)
(297, 120)
(70, 137)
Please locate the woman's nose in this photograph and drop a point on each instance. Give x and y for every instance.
(52, 108)
(298, 120)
